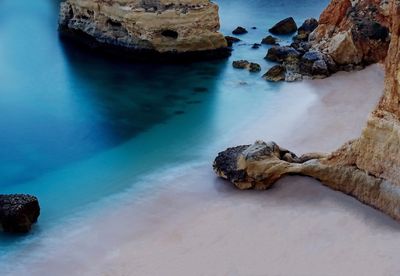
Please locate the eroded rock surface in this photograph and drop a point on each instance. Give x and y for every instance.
(18, 212)
(367, 168)
(145, 28)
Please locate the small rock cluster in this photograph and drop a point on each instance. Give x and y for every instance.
(244, 64)
(18, 212)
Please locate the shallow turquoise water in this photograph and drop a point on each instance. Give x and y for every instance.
(76, 128)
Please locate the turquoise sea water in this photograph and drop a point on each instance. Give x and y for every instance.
(76, 128)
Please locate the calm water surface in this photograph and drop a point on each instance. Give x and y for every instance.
(76, 128)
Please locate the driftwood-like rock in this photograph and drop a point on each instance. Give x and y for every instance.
(18, 212)
(367, 168)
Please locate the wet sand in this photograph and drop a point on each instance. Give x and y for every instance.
(197, 224)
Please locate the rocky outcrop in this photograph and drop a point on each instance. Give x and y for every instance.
(276, 73)
(367, 168)
(145, 29)
(18, 212)
(353, 32)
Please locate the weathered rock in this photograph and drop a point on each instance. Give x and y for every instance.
(231, 40)
(276, 73)
(315, 63)
(367, 168)
(254, 67)
(239, 31)
(269, 40)
(157, 29)
(282, 53)
(353, 32)
(285, 26)
(240, 64)
(301, 46)
(244, 64)
(18, 212)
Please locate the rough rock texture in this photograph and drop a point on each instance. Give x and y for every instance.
(276, 73)
(18, 212)
(354, 32)
(367, 168)
(145, 28)
(239, 31)
(244, 64)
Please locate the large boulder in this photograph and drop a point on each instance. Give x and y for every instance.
(342, 49)
(282, 54)
(18, 212)
(308, 26)
(283, 27)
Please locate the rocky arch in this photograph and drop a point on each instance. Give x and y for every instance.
(367, 168)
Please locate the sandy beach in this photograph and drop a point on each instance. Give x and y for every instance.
(197, 224)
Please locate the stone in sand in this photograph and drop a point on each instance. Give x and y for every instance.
(18, 212)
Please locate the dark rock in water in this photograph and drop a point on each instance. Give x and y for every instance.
(231, 40)
(308, 26)
(18, 212)
(254, 67)
(239, 31)
(276, 73)
(256, 46)
(269, 40)
(240, 64)
(283, 53)
(200, 89)
(285, 26)
(179, 112)
(244, 64)
(254, 28)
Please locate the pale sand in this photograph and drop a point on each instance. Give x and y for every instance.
(200, 225)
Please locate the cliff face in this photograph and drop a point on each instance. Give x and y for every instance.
(354, 32)
(158, 26)
(367, 168)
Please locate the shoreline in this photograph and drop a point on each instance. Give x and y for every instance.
(195, 222)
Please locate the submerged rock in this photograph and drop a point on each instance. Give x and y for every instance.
(256, 46)
(244, 64)
(239, 31)
(269, 40)
(254, 67)
(285, 26)
(18, 212)
(240, 64)
(276, 73)
(146, 30)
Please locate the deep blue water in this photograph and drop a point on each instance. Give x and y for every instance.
(76, 128)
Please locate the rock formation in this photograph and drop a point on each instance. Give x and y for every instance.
(144, 29)
(18, 212)
(349, 35)
(367, 168)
